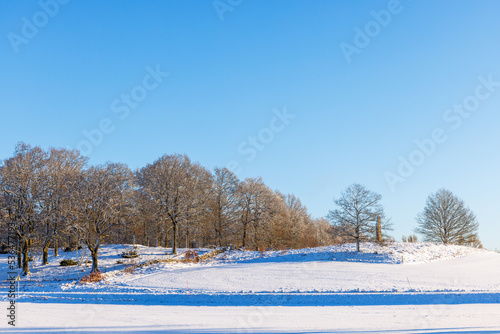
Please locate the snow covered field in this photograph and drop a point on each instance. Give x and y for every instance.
(97, 318)
(401, 287)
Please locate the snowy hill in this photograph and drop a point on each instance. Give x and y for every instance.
(392, 269)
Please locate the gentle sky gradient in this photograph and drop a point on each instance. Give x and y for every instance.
(353, 120)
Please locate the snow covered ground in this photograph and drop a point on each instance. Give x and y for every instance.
(399, 287)
(97, 318)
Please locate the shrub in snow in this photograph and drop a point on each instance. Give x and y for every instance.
(93, 277)
(68, 262)
(129, 268)
(72, 249)
(131, 254)
(191, 256)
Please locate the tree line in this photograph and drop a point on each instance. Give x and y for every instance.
(52, 198)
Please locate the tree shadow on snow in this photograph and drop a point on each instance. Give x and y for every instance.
(276, 257)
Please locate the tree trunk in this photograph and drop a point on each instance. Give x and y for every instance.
(56, 251)
(19, 255)
(165, 244)
(219, 238)
(157, 234)
(357, 245)
(94, 261)
(243, 242)
(45, 255)
(26, 260)
(379, 230)
(174, 239)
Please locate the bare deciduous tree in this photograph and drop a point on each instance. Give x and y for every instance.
(104, 193)
(224, 204)
(257, 204)
(58, 176)
(175, 185)
(446, 219)
(357, 213)
(22, 187)
(195, 205)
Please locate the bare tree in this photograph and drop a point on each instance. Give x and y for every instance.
(446, 219)
(253, 195)
(104, 196)
(21, 185)
(195, 204)
(324, 233)
(58, 176)
(258, 206)
(146, 217)
(173, 183)
(224, 204)
(357, 213)
(291, 225)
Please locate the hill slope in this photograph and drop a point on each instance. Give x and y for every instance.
(316, 276)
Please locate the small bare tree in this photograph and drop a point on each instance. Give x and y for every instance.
(357, 213)
(446, 219)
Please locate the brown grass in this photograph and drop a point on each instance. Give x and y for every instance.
(191, 256)
(93, 277)
(129, 267)
(200, 258)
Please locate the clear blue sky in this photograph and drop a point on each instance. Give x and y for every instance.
(71, 68)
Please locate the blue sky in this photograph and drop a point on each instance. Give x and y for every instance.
(72, 67)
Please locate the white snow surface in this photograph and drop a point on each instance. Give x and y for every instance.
(401, 319)
(395, 268)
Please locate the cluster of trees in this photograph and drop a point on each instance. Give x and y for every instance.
(52, 198)
(48, 198)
